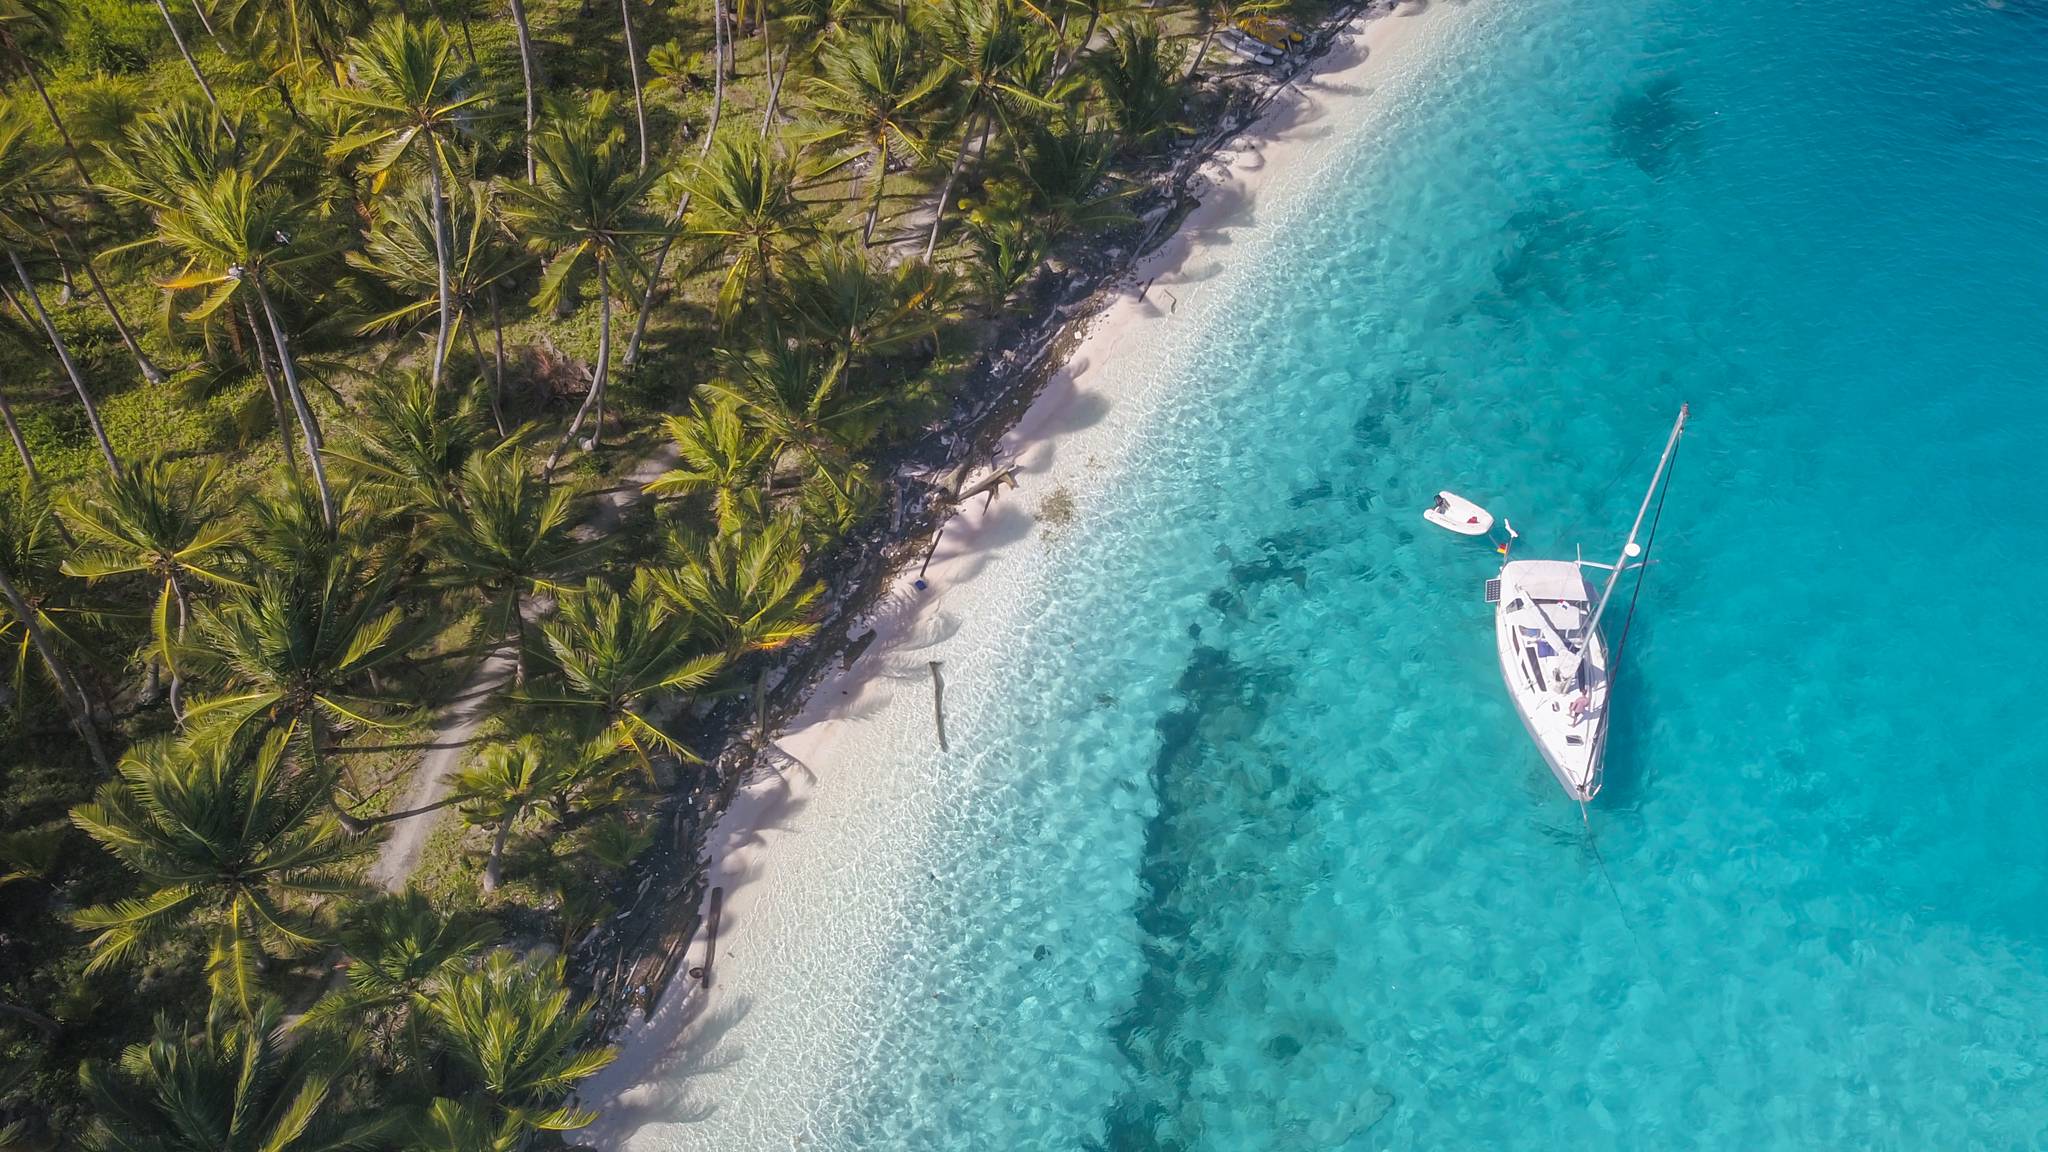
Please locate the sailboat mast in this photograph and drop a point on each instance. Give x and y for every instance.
(1628, 549)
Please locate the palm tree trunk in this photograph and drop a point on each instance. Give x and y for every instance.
(633, 66)
(483, 368)
(272, 384)
(675, 218)
(518, 639)
(184, 615)
(494, 866)
(92, 412)
(148, 368)
(67, 685)
(946, 192)
(526, 76)
(308, 426)
(775, 90)
(880, 176)
(204, 21)
(597, 378)
(497, 348)
(1202, 49)
(440, 260)
(179, 40)
(28, 462)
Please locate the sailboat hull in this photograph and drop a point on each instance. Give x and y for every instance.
(1555, 669)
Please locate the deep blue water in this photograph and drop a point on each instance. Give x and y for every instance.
(1249, 853)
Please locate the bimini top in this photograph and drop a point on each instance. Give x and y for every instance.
(1548, 580)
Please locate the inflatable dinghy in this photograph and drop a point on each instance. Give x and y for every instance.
(1458, 514)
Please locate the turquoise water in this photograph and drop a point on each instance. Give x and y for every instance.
(1250, 854)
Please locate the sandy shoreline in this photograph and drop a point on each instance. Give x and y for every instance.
(805, 855)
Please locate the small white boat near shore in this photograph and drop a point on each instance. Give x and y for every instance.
(1552, 655)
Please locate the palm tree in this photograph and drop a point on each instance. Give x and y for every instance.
(414, 96)
(400, 948)
(586, 215)
(524, 33)
(465, 1126)
(409, 445)
(298, 649)
(744, 194)
(1065, 164)
(19, 16)
(511, 535)
(746, 592)
(237, 232)
(988, 49)
(399, 250)
(834, 298)
(166, 522)
(615, 651)
(225, 833)
(22, 175)
(721, 454)
(871, 99)
(235, 1085)
(509, 1025)
(33, 617)
(1134, 73)
(508, 782)
(800, 401)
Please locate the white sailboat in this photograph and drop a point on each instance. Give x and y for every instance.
(1555, 662)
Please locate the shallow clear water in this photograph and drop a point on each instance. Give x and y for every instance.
(1249, 853)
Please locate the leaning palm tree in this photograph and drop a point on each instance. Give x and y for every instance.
(615, 652)
(223, 832)
(413, 96)
(989, 50)
(399, 948)
(720, 453)
(23, 178)
(234, 1085)
(239, 235)
(746, 592)
(744, 195)
(587, 215)
(178, 39)
(169, 523)
(510, 1027)
(871, 100)
(34, 615)
(511, 535)
(509, 782)
(399, 250)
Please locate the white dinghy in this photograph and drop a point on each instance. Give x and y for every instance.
(1555, 662)
(1458, 514)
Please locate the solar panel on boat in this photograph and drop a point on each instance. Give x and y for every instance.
(1493, 591)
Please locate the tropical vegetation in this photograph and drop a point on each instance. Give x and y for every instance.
(383, 378)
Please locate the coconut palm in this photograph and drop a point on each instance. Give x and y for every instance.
(508, 1024)
(988, 49)
(234, 1085)
(1007, 251)
(511, 535)
(744, 194)
(22, 178)
(409, 444)
(587, 215)
(465, 1126)
(399, 948)
(509, 782)
(413, 96)
(872, 99)
(833, 297)
(1065, 164)
(616, 651)
(633, 72)
(399, 250)
(223, 832)
(1134, 72)
(169, 523)
(298, 650)
(746, 592)
(721, 454)
(35, 613)
(238, 235)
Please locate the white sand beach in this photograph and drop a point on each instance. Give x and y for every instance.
(810, 857)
